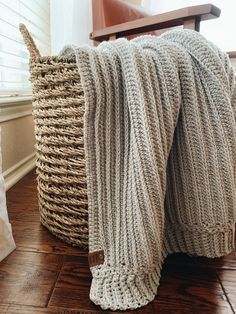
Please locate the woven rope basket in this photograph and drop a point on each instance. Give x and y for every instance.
(58, 103)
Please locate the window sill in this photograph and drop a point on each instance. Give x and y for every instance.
(15, 107)
(15, 100)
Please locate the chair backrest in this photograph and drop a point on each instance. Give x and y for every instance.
(189, 17)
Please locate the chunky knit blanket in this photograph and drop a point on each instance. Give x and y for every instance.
(160, 143)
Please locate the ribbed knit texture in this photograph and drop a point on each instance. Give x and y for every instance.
(160, 142)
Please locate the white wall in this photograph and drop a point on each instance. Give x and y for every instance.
(71, 23)
(221, 31)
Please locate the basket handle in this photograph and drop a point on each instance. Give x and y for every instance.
(32, 48)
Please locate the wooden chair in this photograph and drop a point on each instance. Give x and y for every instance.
(189, 17)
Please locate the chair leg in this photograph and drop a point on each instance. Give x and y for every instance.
(193, 24)
(112, 37)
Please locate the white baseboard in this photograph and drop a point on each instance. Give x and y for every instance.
(18, 171)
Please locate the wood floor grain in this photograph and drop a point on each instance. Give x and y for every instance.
(27, 278)
(228, 280)
(183, 287)
(46, 276)
(22, 309)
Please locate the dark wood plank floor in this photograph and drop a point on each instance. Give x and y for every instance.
(46, 276)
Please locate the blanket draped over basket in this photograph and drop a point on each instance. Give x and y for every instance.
(160, 148)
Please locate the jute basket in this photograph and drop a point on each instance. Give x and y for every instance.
(58, 103)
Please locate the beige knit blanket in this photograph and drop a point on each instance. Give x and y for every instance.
(160, 141)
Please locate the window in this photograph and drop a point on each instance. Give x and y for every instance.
(14, 57)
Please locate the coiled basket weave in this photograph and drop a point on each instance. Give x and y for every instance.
(58, 103)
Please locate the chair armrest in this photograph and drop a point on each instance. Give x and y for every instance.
(184, 16)
(232, 54)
